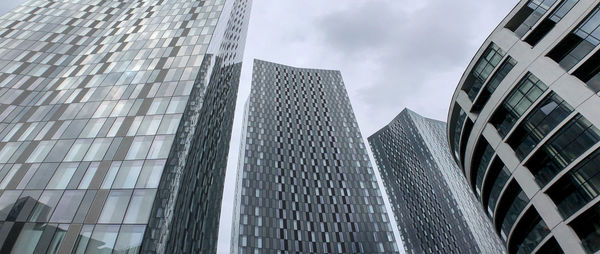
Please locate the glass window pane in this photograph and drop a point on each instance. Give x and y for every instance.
(59, 151)
(78, 150)
(128, 174)
(169, 124)
(82, 240)
(28, 238)
(42, 176)
(140, 206)
(59, 235)
(177, 105)
(45, 206)
(7, 200)
(161, 147)
(150, 125)
(92, 128)
(89, 175)
(62, 176)
(159, 106)
(67, 206)
(139, 148)
(110, 175)
(98, 149)
(115, 206)
(130, 239)
(8, 151)
(103, 239)
(151, 173)
(40, 151)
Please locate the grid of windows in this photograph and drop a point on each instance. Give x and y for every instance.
(93, 95)
(550, 21)
(430, 199)
(529, 89)
(572, 140)
(493, 83)
(579, 43)
(482, 70)
(305, 181)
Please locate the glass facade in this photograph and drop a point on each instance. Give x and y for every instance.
(529, 15)
(572, 140)
(430, 198)
(483, 69)
(529, 89)
(493, 83)
(97, 102)
(579, 43)
(305, 183)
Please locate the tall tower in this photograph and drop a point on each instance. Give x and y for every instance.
(435, 210)
(115, 120)
(305, 183)
(523, 126)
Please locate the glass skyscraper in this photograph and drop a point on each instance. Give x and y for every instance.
(305, 183)
(115, 120)
(434, 208)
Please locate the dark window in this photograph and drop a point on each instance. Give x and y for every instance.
(481, 160)
(578, 187)
(589, 72)
(490, 58)
(465, 136)
(587, 227)
(572, 140)
(550, 247)
(528, 16)
(493, 83)
(512, 202)
(460, 115)
(542, 119)
(528, 233)
(497, 177)
(580, 42)
(549, 22)
(529, 89)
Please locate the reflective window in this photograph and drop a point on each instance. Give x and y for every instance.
(78, 150)
(168, 125)
(511, 204)
(490, 58)
(161, 147)
(578, 187)
(481, 160)
(115, 206)
(45, 206)
(88, 176)
(493, 83)
(529, 89)
(140, 206)
(139, 148)
(28, 238)
(587, 227)
(62, 176)
(7, 200)
(130, 239)
(579, 43)
(572, 140)
(149, 125)
(151, 173)
(59, 235)
(550, 21)
(103, 239)
(83, 239)
(460, 115)
(67, 206)
(542, 119)
(42, 176)
(128, 174)
(528, 234)
(528, 16)
(40, 152)
(98, 149)
(177, 105)
(498, 176)
(589, 72)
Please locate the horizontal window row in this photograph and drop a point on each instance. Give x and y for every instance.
(65, 238)
(77, 206)
(85, 175)
(122, 108)
(484, 67)
(91, 128)
(127, 148)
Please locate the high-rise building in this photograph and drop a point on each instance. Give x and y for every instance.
(115, 119)
(431, 201)
(523, 126)
(305, 183)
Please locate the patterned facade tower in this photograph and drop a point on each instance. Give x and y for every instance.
(115, 119)
(431, 201)
(305, 183)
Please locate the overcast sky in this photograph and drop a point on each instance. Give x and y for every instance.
(392, 54)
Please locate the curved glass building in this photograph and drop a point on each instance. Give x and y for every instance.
(523, 126)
